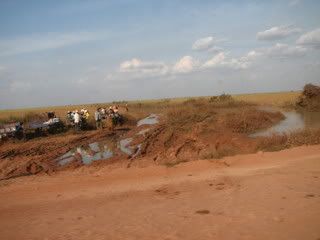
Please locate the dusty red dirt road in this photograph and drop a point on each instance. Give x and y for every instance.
(257, 196)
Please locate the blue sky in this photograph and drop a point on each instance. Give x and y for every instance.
(71, 52)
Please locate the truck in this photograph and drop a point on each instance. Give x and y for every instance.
(32, 129)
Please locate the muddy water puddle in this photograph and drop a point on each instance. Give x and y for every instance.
(128, 149)
(150, 120)
(107, 149)
(294, 121)
(87, 154)
(125, 147)
(97, 151)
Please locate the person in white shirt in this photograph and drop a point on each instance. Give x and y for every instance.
(77, 120)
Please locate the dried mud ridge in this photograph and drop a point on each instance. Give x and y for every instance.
(210, 137)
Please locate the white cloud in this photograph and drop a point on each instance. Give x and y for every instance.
(240, 63)
(207, 44)
(185, 65)
(47, 41)
(284, 50)
(136, 68)
(278, 50)
(276, 33)
(143, 67)
(215, 49)
(217, 60)
(221, 60)
(310, 39)
(252, 55)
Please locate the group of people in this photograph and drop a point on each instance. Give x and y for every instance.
(111, 113)
(78, 119)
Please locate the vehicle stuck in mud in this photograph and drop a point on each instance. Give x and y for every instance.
(31, 129)
(11, 130)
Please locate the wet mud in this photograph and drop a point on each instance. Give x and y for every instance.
(150, 141)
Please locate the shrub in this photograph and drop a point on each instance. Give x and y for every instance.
(310, 98)
(226, 100)
(222, 98)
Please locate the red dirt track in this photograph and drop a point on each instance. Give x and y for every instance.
(257, 196)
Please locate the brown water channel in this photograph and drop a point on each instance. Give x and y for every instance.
(294, 121)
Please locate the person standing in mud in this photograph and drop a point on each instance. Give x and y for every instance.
(77, 120)
(103, 113)
(98, 118)
(69, 118)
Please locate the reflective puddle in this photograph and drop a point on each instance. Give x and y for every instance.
(106, 149)
(99, 151)
(87, 154)
(293, 121)
(124, 146)
(150, 120)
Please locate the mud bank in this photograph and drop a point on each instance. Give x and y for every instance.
(179, 136)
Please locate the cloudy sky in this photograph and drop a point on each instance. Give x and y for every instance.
(71, 52)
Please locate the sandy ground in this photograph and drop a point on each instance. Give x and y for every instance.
(257, 196)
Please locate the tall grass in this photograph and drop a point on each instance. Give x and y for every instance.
(298, 138)
(250, 120)
(234, 115)
(25, 117)
(189, 113)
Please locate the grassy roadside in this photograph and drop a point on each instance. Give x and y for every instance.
(295, 139)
